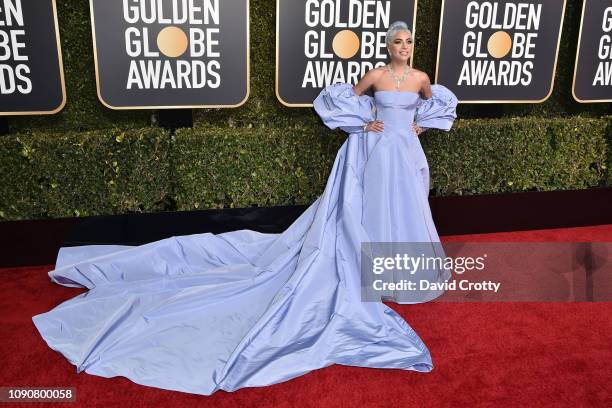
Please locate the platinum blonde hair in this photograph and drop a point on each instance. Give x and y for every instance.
(395, 28)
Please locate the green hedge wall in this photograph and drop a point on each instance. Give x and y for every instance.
(144, 170)
(242, 167)
(519, 154)
(83, 173)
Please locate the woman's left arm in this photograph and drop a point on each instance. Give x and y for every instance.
(425, 86)
(425, 93)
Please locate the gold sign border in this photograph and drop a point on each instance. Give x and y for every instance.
(552, 81)
(61, 69)
(248, 72)
(309, 105)
(576, 63)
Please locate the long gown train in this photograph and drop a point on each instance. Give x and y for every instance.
(204, 312)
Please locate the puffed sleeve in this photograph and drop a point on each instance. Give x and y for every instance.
(340, 107)
(439, 111)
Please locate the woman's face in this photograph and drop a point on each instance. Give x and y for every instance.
(400, 48)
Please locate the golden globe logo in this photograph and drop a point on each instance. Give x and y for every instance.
(517, 26)
(173, 57)
(362, 36)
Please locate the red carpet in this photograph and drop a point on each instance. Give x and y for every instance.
(485, 354)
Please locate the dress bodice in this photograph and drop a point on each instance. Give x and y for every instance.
(340, 107)
(396, 109)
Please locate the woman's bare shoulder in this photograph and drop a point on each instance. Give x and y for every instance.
(375, 73)
(421, 74)
(369, 79)
(425, 83)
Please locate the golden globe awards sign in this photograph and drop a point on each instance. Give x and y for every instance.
(320, 42)
(499, 51)
(171, 53)
(593, 69)
(31, 73)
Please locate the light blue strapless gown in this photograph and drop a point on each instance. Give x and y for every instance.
(204, 312)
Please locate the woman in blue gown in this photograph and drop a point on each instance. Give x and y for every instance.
(205, 312)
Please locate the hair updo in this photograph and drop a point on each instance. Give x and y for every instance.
(395, 28)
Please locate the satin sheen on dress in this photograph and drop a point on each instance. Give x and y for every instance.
(204, 312)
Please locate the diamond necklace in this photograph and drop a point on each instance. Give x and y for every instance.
(398, 81)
